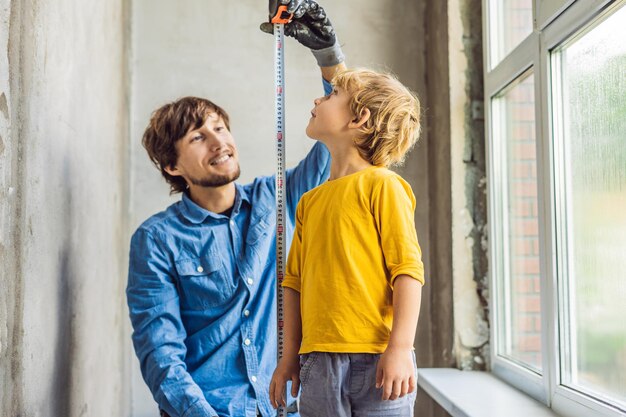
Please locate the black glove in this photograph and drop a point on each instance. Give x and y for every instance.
(311, 27)
(293, 6)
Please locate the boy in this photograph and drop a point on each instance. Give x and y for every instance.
(354, 273)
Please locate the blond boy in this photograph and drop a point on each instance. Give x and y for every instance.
(354, 273)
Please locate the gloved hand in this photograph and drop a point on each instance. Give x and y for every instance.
(311, 27)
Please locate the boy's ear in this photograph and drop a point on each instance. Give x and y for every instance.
(361, 119)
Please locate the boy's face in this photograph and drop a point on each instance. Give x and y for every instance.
(207, 156)
(330, 117)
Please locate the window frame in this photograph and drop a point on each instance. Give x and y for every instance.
(555, 22)
(547, 10)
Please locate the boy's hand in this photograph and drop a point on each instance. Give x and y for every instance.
(288, 369)
(312, 28)
(395, 373)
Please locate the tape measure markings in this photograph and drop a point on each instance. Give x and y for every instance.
(280, 186)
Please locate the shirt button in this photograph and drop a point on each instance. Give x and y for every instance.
(247, 342)
(232, 222)
(246, 313)
(250, 281)
(253, 378)
(200, 269)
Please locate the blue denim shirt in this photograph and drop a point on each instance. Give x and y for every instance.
(201, 293)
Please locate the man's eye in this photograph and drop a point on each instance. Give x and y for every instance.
(197, 137)
(219, 128)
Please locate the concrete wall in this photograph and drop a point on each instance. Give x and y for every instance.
(215, 50)
(75, 182)
(468, 183)
(63, 199)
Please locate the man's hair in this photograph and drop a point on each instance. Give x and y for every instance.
(394, 124)
(169, 124)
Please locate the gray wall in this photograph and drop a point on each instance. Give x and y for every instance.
(215, 50)
(75, 182)
(63, 199)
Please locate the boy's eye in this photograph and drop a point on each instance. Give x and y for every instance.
(196, 137)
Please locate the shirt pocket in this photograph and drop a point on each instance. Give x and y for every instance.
(203, 282)
(260, 226)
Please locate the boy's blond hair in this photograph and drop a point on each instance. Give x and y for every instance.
(394, 124)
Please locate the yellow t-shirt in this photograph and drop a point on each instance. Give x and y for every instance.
(354, 236)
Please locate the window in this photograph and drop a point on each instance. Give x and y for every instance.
(512, 22)
(556, 119)
(589, 75)
(520, 337)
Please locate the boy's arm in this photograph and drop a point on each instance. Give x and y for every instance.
(407, 298)
(289, 365)
(159, 334)
(393, 205)
(288, 368)
(293, 325)
(395, 371)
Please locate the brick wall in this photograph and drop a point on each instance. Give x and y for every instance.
(525, 326)
(518, 21)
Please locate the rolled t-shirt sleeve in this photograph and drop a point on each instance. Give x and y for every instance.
(393, 205)
(293, 271)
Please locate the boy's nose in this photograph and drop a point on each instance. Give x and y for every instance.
(317, 101)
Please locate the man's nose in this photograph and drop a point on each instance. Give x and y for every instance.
(317, 101)
(215, 142)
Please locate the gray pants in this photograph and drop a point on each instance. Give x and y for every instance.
(344, 385)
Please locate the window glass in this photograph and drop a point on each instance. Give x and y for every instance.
(521, 311)
(511, 23)
(590, 99)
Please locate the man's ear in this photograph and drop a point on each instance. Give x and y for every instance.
(173, 170)
(361, 119)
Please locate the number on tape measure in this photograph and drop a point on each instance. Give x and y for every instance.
(280, 186)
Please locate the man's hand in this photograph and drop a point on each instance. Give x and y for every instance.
(395, 373)
(311, 27)
(288, 369)
(295, 7)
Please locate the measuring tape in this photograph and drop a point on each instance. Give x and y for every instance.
(280, 16)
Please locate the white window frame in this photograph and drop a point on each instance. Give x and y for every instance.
(555, 22)
(548, 10)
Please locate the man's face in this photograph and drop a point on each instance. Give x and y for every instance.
(207, 156)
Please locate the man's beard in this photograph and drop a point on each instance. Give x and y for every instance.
(216, 180)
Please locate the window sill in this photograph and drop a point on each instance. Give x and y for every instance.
(478, 394)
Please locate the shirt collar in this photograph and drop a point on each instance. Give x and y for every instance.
(196, 214)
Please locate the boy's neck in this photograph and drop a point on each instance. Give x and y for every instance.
(214, 199)
(345, 162)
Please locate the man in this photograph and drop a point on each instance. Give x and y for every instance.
(201, 284)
